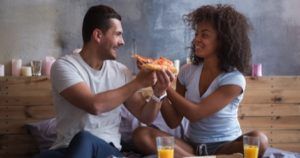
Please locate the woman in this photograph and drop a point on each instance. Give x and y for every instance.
(210, 89)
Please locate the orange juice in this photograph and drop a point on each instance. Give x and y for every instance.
(250, 151)
(165, 153)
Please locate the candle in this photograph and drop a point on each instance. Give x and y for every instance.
(177, 64)
(47, 64)
(1, 70)
(256, 70)
(26, 71)
(16, 65)
(188, 60)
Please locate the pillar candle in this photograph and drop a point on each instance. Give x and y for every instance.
(47, 64)
(16, 65)
(1, 70)
(177, 64)
(26, 71)
(256, 70)
(188, 60)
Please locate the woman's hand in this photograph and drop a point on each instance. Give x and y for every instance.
(164, 80)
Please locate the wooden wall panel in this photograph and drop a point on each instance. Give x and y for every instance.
(273, 82)
(267, 96)
(28, 100)
(271, 104)
(26, 112)
(15, 126)
(278, 136)
(22, 100)
(276, 122)
(269, 109)
(283, 136)
(13, 145)
(294, 147)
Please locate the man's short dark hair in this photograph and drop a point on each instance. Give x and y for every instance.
(97, 17)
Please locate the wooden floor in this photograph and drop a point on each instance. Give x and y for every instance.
(271, 104)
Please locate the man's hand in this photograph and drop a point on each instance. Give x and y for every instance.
(164, 80)
(146, 78)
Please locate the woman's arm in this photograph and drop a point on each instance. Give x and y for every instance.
(170, 114)
(207, 106)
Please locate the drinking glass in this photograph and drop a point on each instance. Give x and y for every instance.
(251, 146)
(165, 147)
(36, 67)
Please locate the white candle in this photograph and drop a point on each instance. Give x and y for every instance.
(177, 64)
(1, 70)
(16, 65)
(188, 60)
(26, 71)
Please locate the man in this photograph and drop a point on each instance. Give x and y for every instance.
(89, 89)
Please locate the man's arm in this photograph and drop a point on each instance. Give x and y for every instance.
(144, 111)
(81, 96)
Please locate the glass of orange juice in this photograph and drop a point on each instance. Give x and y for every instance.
(251, 146)
(165, 147)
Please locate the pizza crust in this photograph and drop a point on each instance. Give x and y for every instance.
(157, 67)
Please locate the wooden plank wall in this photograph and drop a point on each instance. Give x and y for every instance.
(22, 100)
(271, 104)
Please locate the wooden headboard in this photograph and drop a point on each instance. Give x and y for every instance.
(271, 104)
(22, 100)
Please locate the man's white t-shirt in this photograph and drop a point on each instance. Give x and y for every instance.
(72, 69)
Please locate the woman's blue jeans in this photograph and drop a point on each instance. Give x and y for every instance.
(83, 145)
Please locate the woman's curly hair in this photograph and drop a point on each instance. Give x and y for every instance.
(232, 32)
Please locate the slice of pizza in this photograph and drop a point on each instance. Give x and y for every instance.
(156, 64)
